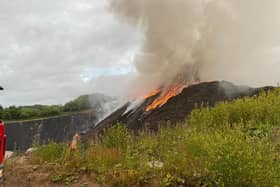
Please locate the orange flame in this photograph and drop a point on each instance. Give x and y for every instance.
(165, 96)
(152, 93)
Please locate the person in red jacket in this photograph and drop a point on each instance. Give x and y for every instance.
(2, 148)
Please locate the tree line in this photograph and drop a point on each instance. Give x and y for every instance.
(40, 111)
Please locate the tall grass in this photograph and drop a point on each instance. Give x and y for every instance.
(233, 144)
(264, 109)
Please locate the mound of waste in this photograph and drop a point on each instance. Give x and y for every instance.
(135, 115)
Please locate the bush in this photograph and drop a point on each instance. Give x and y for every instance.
(184, 156)
(263, 109)
(232, 144)
(232, 158)
(51, 153)
(116, 137)
(81, 103)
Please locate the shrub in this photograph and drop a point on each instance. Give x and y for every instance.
(232, 144)
(51, 153)
(187, 156)
(232, 158)
(263, 109)
(116, 137)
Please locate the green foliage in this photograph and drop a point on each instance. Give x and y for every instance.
(51, 153)
(232, 158)
(186, 157)
(81, 103)
(29, 112)
(263, 109)
(40, 111)
(233, 144)
(116, 137)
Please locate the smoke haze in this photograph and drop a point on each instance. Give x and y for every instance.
(233, 40)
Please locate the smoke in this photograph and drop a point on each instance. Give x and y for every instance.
(234, 40)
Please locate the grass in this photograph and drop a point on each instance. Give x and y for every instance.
(232, 144)
(261, 110)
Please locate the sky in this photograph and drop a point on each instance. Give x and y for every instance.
(56, 50)
(53, 51)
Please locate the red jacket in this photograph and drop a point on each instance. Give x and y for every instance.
(2, 141)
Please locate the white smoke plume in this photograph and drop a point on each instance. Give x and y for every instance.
(234, 40)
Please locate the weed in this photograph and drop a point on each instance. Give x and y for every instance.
(232, 144)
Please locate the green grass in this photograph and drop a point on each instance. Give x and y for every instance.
(232, 144)
(261, 110)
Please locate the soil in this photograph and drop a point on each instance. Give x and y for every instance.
(19, 173)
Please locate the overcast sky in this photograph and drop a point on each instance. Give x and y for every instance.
(52, 51)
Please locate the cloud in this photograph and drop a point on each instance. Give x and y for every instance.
(49, 50)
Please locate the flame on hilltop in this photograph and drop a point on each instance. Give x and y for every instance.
(152, 93)
(164, 97)
(167, 94)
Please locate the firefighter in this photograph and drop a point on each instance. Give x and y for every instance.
(74, 143)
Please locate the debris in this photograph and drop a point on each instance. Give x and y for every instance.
(8, 154)
(29, 151)
(155, 164)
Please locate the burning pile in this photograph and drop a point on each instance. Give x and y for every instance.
(167, 93)
(164, 96)
(173, 105)
(185, 41)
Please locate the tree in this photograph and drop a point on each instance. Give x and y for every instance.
(81, 103)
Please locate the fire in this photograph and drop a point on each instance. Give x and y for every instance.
(152, 93)
(165, 96)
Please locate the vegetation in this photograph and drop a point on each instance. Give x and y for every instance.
(81, 103)
(232, 144)
(29, 112)
(247, 112)
(39, 111)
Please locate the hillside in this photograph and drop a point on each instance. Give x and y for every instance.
(23, 134)
(233, 144)
(99, 102)
(54, 123)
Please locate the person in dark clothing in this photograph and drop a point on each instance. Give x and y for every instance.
(1, 88)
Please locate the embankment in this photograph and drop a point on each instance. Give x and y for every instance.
(22, 134)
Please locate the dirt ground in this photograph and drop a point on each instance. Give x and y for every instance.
(18, 173)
